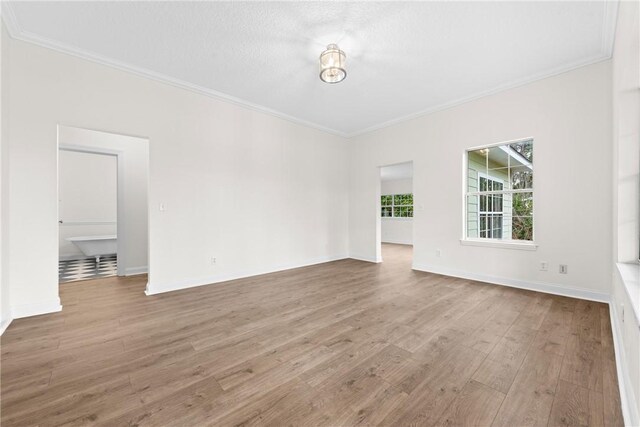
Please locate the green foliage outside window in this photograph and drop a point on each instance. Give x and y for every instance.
(396, 206)
(522, 220)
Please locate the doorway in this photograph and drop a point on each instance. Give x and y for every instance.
(102, 204)
(87, 214)
(396, 213)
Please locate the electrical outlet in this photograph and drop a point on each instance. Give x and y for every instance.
(213, 260)
(563, 269)
(438, 253)
(544, 266)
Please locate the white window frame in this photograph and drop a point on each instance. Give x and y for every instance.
(393, 205)
(490, 242)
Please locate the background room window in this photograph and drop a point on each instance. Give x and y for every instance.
(499, 196)
(396, 206)
(490, 212)
(387, 206)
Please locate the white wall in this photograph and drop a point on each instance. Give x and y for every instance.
(569, 116)
(626, 198)
(87, 198)
(259, 193)
(133, 228)
(397, 230)
(5, 308)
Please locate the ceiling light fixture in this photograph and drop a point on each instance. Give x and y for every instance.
(332, 65)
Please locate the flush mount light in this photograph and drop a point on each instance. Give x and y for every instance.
(332, 65)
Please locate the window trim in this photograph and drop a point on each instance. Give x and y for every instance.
(488, 242)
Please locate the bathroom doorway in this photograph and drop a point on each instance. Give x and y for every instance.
(102, 204)
(87, 214)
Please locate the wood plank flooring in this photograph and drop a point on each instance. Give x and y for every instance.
(337, 344)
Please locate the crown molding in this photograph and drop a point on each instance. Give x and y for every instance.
(14, 29)
(10, 20)
(479, 95)
(610, 21)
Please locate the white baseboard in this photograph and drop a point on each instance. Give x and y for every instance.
(132, 271)
(44, 307)
(4, 325)
(158, 288)
(365, 258)
(627, 395)
(548, 288)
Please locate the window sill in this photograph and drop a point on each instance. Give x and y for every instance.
(630, 275)
(396, 218)
(523, 246)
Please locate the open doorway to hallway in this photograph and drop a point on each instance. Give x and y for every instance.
(396, 212)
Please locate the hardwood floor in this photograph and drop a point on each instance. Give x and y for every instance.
(340, 344)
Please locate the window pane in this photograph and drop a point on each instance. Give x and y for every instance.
(497, 203)
(410, 211)
(386, 212)
(483, 184)
(472, 180)
(477, 160)
(386, 200)
(399, 211)
(499, 175)
(403, 199)
(522, 220)
(497, 226)
(498, 161)
(521, 177)
(524, 149)
(522, 204)
(483, 224)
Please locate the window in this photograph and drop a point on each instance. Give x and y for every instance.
(396, 206)
(499, 196)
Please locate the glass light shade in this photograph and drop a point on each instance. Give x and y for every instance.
(332, 65)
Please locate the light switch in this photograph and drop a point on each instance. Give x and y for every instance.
(163, 207)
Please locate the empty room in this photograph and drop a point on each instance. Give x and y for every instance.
(320, 213)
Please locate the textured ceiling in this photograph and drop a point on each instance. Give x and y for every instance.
(403, 59)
